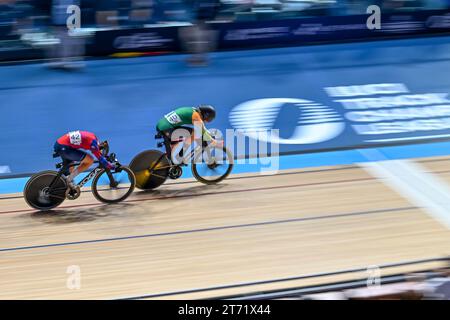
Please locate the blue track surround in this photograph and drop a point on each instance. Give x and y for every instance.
(302, 91)
(267, 165)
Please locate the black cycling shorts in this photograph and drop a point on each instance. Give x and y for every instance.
(168, 133)
(69, 154)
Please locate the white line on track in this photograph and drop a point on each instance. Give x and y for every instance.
(411, 180)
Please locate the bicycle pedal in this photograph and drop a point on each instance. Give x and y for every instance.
(72, 194)
(160, 144)
(175, 172)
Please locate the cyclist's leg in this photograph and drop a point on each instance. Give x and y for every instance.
(70, 155)
(60, 151)
(166, 136)
(169, 143)
(85, 163)
(182, 143)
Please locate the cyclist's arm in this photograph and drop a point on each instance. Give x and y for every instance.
(95, 149)
(197, 119)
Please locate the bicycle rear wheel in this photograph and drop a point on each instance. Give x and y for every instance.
(151, 169)
(39, 195)
(113, 186)
(213, 165)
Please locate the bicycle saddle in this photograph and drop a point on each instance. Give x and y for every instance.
(72, 164)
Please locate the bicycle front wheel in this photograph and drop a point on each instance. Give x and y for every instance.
(113, 186)
(213, 165)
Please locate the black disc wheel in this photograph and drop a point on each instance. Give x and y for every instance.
(45, 190)
(151, 169)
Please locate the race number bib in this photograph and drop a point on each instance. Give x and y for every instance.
(75, 137)
(173, 118)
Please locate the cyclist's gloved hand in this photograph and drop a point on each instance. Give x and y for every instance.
(105, 163)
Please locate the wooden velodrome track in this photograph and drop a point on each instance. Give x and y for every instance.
(187, 235)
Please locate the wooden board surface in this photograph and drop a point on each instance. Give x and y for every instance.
(187, 235)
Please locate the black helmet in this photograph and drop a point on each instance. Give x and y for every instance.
(207, 111)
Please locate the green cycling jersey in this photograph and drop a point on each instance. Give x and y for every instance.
(180, 117)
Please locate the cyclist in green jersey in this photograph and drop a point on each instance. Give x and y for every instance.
(181, 118)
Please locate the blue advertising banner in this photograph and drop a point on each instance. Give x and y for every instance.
(266, 33)
(142, 39)
(352, 116)
(329, 28)
(252, 34)
(318, 98)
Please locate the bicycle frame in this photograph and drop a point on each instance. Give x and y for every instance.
(89, 177)
(188, 157)
(85, 180)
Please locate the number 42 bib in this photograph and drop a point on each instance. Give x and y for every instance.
(75, 137)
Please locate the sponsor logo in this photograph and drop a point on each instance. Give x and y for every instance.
(438, 22)
(141, 40)
(316, 122)
(390, 112)
(402, 24)
(257, 33)
(375, 113)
